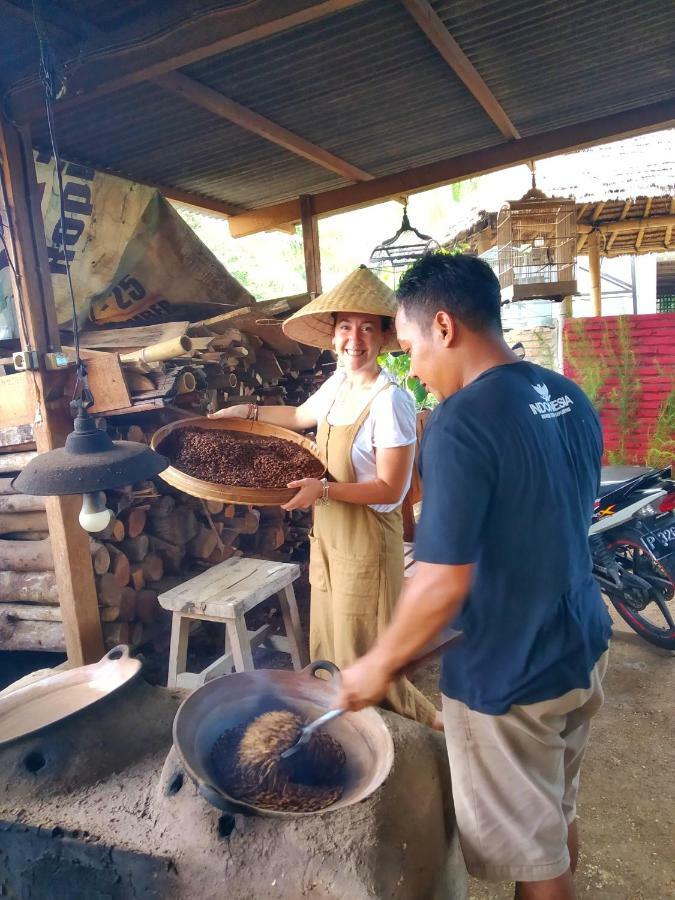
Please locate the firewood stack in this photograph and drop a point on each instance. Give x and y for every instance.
(157, 533)
(267, 532)
(240, 356)
(152, 536)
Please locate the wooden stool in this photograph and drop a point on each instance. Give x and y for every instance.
(224, 593)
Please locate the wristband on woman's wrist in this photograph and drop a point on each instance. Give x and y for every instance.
(252, 412)
(323, 499)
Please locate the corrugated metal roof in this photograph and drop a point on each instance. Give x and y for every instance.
(367, 85)
(364, 84)
(552, 63)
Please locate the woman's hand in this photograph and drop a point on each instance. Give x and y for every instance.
(240, 411)
(310, 490)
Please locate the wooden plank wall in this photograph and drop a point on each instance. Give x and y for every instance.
(652, 341)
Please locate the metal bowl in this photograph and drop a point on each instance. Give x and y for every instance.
(231, 700)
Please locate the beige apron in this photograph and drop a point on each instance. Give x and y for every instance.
(356, 572)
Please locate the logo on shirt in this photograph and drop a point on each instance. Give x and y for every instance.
(548, 408)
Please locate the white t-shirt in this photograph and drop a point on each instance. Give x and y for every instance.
(389, 423)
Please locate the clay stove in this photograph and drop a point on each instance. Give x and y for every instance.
(100, 806)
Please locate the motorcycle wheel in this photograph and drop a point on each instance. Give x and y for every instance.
(654, 619)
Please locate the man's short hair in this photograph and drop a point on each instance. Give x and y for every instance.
(464, 286)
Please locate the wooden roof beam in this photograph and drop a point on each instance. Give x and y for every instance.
(562, 140)
(430, 23)
(136, 56)
(208, 205)
(624, 212)
(246, 118)
(669, 229)
(624, 226)
(641, 232)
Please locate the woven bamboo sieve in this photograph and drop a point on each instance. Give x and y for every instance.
(227, 493)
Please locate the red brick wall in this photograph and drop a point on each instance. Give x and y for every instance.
(594, 346)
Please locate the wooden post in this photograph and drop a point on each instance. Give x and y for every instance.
(36, 319)
(310, 243)
(565, 312)
(594, 269)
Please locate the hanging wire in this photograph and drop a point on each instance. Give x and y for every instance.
(54, 87)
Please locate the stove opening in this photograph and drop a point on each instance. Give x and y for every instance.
(225, 826)
(176, 784)
(34, 761)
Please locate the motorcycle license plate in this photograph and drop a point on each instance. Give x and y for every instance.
(661, 541)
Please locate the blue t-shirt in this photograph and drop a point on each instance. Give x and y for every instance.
(511, 467)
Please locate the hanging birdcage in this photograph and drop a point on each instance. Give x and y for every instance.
(537, 247)
(392, 257)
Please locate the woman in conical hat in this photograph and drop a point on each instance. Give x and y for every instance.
(365, 427)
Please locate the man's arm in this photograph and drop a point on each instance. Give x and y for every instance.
(430, 600)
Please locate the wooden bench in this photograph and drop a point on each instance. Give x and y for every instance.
(225, 593)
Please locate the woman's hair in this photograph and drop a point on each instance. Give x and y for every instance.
(387, 322)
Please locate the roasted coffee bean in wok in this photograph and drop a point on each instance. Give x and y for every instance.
(247, 764)
(268, 736)
(242, 460)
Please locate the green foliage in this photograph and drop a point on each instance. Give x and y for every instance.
(662, 439)
(625, 397)
(544, 349)
(398, 366)
(590, 367)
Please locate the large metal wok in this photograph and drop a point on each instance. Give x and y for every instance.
(231, 700)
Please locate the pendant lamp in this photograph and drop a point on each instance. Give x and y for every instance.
(89, 463)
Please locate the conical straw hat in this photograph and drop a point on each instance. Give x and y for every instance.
(360, 292)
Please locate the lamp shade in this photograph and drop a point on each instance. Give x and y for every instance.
(90, 461)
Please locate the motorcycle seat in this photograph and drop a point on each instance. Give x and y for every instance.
(613, 477)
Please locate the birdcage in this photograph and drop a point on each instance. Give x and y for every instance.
(393, 256)
(537, 247)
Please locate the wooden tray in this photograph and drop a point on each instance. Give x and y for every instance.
(228, 493)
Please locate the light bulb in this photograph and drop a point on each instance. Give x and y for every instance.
(94, 515)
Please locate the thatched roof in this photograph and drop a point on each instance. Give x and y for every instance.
(628, 180)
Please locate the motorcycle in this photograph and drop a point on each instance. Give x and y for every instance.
(632, 540)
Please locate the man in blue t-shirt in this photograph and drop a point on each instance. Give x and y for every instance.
(510, 463)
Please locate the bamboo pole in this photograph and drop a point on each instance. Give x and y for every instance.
(160, 352)
(594, 269)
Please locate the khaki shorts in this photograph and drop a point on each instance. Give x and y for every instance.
(515, 779)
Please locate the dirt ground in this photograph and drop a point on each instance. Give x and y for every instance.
(627, 796)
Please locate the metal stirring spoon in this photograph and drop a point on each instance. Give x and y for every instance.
(436, 646)
(309, 730)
